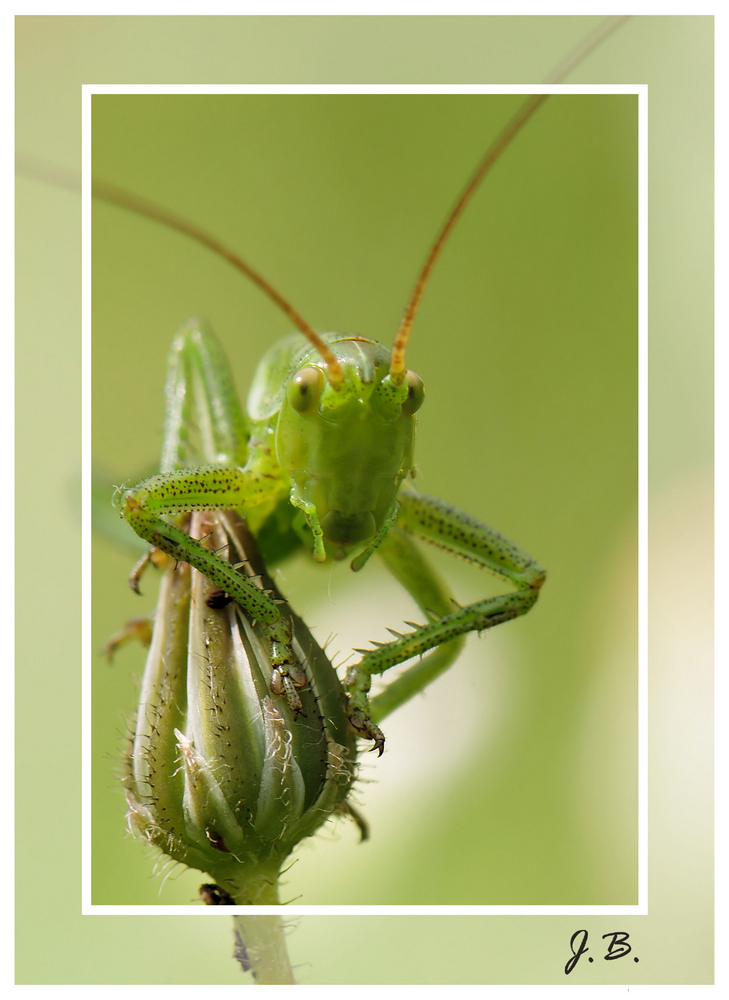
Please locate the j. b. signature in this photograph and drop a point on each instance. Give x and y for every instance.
(617, 947)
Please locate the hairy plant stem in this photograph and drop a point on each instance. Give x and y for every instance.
(260, 947)
(260, 941)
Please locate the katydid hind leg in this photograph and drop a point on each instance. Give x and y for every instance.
(205, 421)
(202, 402)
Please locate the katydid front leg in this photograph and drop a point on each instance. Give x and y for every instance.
(433, 521)
(200, 392)
(213, 489)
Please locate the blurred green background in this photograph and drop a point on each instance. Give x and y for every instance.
(513, 781)
(527, 344)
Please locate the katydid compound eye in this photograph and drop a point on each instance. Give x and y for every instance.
(416, 393)
(305, 389)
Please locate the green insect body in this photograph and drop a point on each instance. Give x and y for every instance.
(322, 458)
(325, 465)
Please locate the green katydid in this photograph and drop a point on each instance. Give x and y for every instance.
(324, 458)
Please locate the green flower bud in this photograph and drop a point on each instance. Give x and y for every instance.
(229, 768)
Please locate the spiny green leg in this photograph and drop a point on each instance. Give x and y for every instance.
(448, 528)
(177, 543)
(205, 490)
(409, 565)
(200, 392)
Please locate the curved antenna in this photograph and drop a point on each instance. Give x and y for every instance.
(397, 358)
(527, 109)
(117, 196)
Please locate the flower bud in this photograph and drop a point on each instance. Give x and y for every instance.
(226, 773)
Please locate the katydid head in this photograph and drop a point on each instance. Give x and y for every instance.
(348, 447)
(343, 411)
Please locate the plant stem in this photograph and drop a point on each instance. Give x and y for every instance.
(260, 942)
(260, 947)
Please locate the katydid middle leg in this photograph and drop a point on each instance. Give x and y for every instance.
(447, 528)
